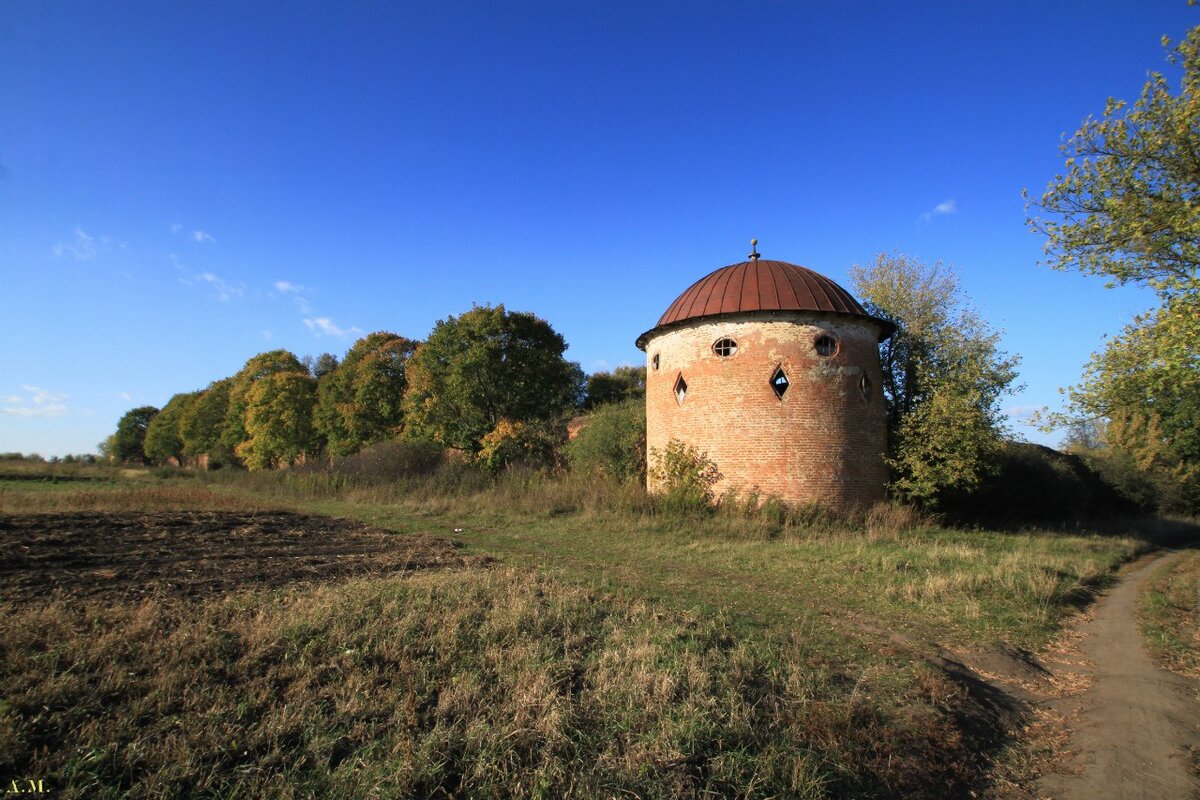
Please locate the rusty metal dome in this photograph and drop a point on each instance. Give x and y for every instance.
(760, 285)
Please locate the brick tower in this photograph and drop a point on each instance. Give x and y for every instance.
(773, 370)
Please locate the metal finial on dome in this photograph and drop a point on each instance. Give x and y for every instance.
(754, 249)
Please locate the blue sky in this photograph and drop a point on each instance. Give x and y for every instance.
(183, 185)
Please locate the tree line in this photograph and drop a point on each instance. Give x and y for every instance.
(481, 378)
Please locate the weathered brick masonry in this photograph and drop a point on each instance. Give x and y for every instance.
(821, 441)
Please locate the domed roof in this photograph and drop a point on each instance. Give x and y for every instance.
(762, 285)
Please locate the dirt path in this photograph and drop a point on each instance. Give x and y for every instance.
(1133, 727)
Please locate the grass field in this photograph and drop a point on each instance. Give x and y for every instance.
(576, 641)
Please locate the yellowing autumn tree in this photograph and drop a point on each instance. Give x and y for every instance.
(943, 377)
(278, 421)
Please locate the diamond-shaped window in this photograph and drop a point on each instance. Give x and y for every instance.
(779, 382)
(680, 389)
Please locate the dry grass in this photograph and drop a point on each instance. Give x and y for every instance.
(173, 496)
(474, 683)
(1169, 612)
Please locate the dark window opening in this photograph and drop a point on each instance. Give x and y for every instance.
(725, 347)
(826, 345)
(680, 389)
(865, 386)
(779, 382)
(654, 360)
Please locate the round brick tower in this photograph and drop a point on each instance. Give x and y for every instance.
(773, 370)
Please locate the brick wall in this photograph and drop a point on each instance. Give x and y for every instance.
(822, 442)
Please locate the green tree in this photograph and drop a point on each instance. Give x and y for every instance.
(360, 402)
(1128, 208)
(622, 383)
(279, 413)
(164, 434)
(203, 422)
(612, 442)
(233, 431)
(483, 366)
(943, 377)
(127, 444)
(1128, 205)
(1146, 386)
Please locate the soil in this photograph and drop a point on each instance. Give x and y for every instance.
(123, 555)
(1136, 730)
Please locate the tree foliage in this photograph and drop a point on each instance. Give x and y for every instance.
(1146, 385)
(1128, 205)
(360, 401)
(622, 383)
(202, 424)
(487, 365)
(164, 434)
(1128, 208)
(127, 444)
(234, 432)
(279, 413)
(943, 377)
(533, 445)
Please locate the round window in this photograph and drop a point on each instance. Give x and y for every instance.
(724, 347)
(826, 345)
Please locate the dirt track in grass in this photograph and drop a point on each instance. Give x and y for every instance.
(1137, 728)
(123, 555)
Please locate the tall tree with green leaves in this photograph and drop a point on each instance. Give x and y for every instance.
(1128, 208)
(279, 413)
(360, 402)
(233, 431)
(203, 422)
(943, 377)
(127, 444)
(164, 434)
(483, 366)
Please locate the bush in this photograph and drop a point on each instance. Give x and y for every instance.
(530, 445)
(612, 442)
(686, 476)
(1032, 483)
(392, 461)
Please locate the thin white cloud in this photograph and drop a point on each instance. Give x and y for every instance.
(82, 246)
(1023, 415)
(42, 397)
(287, 286)
(176, 227)
(125, 395)
(302, 305)
(941, 209)
(45, 403)
(225, 290)
(200, 237)
(324, 326)
(56, 410)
